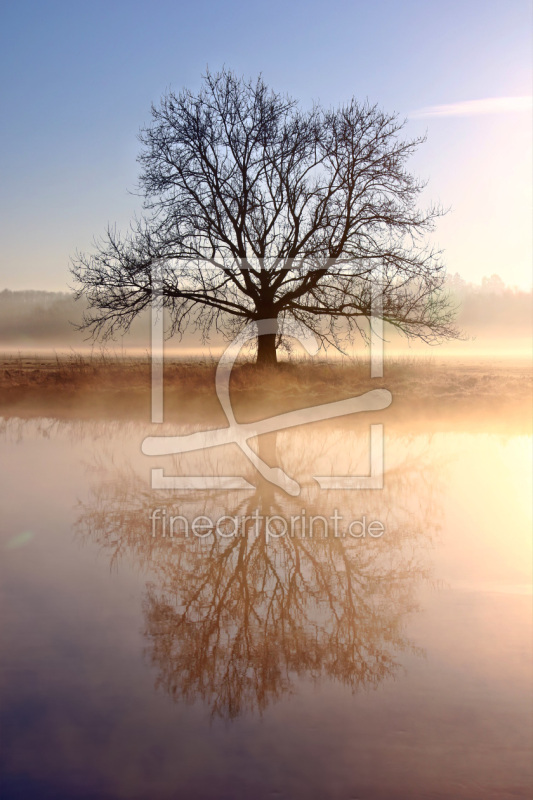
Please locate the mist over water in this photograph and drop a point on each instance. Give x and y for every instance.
(337, 655)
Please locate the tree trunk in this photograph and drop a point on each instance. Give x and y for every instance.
(266, 350)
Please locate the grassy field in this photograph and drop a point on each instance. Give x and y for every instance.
(440, 390)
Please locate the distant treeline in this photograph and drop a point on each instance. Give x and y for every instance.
(44, 319)
(49, 319)
(492, 306)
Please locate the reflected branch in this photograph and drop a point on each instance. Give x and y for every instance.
(235, 621)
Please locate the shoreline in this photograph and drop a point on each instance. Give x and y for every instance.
(436, 395)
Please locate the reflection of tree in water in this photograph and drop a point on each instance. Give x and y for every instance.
(234, 620)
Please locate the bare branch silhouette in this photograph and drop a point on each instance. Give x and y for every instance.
(255, 210)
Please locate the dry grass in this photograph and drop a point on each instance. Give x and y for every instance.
(101, 386)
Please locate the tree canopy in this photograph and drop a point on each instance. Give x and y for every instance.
(256, 209)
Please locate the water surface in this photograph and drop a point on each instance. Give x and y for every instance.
(136, 664)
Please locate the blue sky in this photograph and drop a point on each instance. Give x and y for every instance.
(78, 78)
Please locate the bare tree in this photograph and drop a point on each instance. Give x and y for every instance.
(255, 209)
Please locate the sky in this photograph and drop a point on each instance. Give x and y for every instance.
(77, 80)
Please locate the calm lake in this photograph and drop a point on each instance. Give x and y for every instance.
(275, 656)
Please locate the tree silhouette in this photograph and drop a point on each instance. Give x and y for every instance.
(257, 210)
